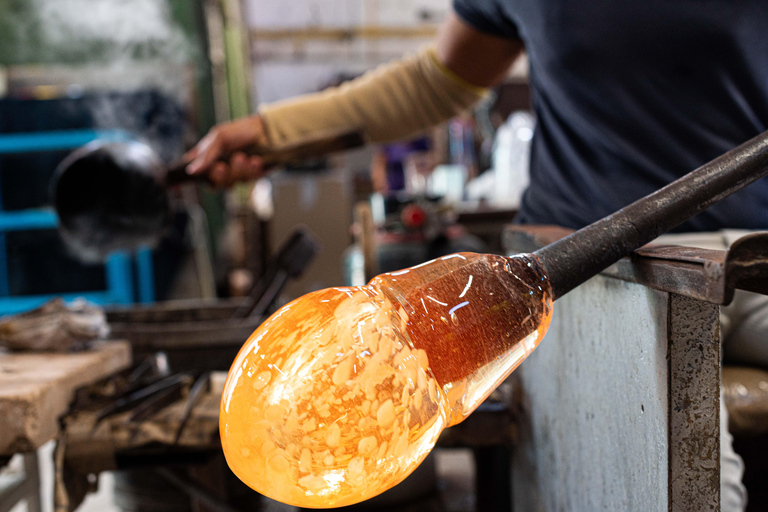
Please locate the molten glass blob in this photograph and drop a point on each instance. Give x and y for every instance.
(340, 394)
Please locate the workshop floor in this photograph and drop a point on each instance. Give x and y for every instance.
(455, 484)
(102, 500)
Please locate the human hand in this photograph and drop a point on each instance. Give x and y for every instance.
(220, 153)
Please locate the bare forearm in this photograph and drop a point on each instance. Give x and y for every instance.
(479, 59)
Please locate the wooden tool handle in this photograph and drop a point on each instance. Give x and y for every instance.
(315, 146)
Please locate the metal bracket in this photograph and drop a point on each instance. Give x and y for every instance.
(702, 274)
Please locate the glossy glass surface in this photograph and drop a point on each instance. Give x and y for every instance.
(342, 393)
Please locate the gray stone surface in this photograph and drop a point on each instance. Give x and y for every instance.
(596, 394)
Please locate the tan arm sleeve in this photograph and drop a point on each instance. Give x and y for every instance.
(391, 102)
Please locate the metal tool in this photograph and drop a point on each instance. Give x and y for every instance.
(201, 385)
(291, 261)
(151, 393)
(702, 274)
(153, 367)
(111, 196)
(156, 402)
(583, 254)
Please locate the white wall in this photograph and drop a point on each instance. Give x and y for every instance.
(285, 67)
(273, 14)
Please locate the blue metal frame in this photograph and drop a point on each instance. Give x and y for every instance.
(57, 140)
(118, 268)
(28, 220)
(145, 269)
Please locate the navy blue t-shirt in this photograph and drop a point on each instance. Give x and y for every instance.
(631, 95)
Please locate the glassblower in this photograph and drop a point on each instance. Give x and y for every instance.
(341, 393)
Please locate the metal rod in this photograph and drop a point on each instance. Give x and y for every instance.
(318, 145)
(583, 254)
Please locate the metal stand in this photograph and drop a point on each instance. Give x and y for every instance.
(22, 487)
(620, 407)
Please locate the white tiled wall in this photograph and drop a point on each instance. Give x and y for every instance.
(404, 12)
(341, 13)
(276, 80)
(285, 68)
(302, 13)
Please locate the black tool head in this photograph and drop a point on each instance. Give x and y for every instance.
(297, 252)
(108, 197)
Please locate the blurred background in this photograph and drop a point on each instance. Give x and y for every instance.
(163, 72)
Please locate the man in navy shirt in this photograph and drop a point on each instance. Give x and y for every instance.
(628, 96)
(631, 95)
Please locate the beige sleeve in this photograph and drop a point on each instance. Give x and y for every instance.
(391, 102)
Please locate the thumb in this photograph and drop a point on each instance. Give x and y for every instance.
(190, 155)
(204, 154)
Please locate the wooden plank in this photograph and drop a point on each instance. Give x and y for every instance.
(36, 390)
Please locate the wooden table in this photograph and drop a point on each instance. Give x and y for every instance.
(36, 390)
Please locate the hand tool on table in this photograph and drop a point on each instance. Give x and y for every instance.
(500, 321)
(171, 393)
(201, 385)
(149, 370)
(112, 196)
(147, 400)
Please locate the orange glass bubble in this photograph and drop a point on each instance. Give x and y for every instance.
(340, 394)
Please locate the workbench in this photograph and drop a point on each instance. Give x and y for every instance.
(157, 444)
(36, 390)
(620, 404)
